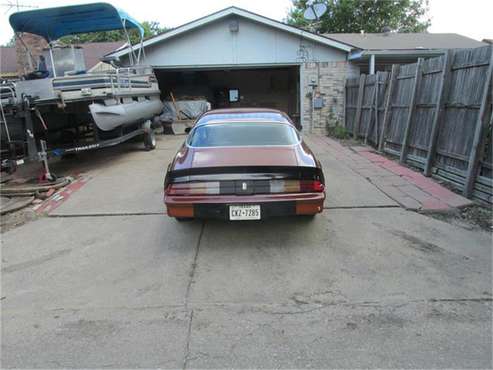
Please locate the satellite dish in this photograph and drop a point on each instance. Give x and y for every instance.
(314, 11)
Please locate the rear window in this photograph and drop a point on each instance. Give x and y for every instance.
(267, 116)
(243, 134)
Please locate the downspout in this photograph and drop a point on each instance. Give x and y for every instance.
(372, 64)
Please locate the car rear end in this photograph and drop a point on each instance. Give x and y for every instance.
(244, 171)
(238, 193)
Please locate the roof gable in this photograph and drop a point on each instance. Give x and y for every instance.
(245, 14)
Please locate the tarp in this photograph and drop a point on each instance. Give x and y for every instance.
(189, 109)
(53, 23)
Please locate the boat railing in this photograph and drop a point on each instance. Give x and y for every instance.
(7, 92)
(7, 96)
(120, 80)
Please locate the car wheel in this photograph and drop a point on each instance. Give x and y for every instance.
(150, 140)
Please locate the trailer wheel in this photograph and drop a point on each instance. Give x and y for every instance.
(150, 140)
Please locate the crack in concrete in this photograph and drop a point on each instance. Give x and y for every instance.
(363, 207)
(193, 267)
(260, 306)
(117, 214)
(36, 262)
(186, 356)
(486, 299)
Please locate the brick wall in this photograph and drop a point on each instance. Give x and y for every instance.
(330, 78)
(35, 44)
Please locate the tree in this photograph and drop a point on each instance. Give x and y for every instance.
(151, 28)
(354, 16)
(10, 43)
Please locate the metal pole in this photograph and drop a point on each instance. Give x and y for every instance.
(131, 54)
(44, 158)
(52, 60)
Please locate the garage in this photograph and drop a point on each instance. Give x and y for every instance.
(235, 58)
(273, 87)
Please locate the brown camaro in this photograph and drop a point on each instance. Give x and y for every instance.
(243, 164)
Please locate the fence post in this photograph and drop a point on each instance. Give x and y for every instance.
(481, 123)
(412, 108)
(377, 92)
(357, 117)
(439, 111)
(388, 105)
(372, 100)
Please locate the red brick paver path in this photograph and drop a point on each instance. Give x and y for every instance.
(411, 189)
(60, 196)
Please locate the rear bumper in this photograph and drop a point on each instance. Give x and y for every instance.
(271, 205)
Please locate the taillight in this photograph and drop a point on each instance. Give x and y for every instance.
(311, 186)
(296, 186)
(194, 188)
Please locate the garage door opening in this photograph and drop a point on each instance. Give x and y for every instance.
(276, 88)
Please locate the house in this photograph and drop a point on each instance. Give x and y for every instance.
(93, 51)
(8, 63)
(238, 58)
(378, 51)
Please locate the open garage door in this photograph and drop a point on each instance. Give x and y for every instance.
(276, 88)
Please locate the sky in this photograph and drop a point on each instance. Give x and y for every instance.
(467, 17)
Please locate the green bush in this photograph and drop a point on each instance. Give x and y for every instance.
(339, 132)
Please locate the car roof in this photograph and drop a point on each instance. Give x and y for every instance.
(251, 114)
(242, 120)
(242, 110)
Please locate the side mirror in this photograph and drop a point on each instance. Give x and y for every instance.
(187, 130)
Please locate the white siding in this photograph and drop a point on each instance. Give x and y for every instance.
(254, 43)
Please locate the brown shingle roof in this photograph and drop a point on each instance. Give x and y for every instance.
(405, 41)
(93, 51)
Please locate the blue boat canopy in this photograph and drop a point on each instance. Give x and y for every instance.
(53, 23)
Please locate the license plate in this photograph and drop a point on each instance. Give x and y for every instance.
(244, 212)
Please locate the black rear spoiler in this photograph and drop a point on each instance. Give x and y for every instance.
(244, 173)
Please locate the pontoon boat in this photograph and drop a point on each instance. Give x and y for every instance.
(72, 109)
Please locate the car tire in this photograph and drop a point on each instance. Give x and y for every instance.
(150, 140)
(183, 219)
(310, 217)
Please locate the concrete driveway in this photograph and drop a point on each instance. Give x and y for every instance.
(107, 280)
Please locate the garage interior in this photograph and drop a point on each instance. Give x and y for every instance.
(277, 88)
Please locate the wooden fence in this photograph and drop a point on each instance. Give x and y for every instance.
(435, 114)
